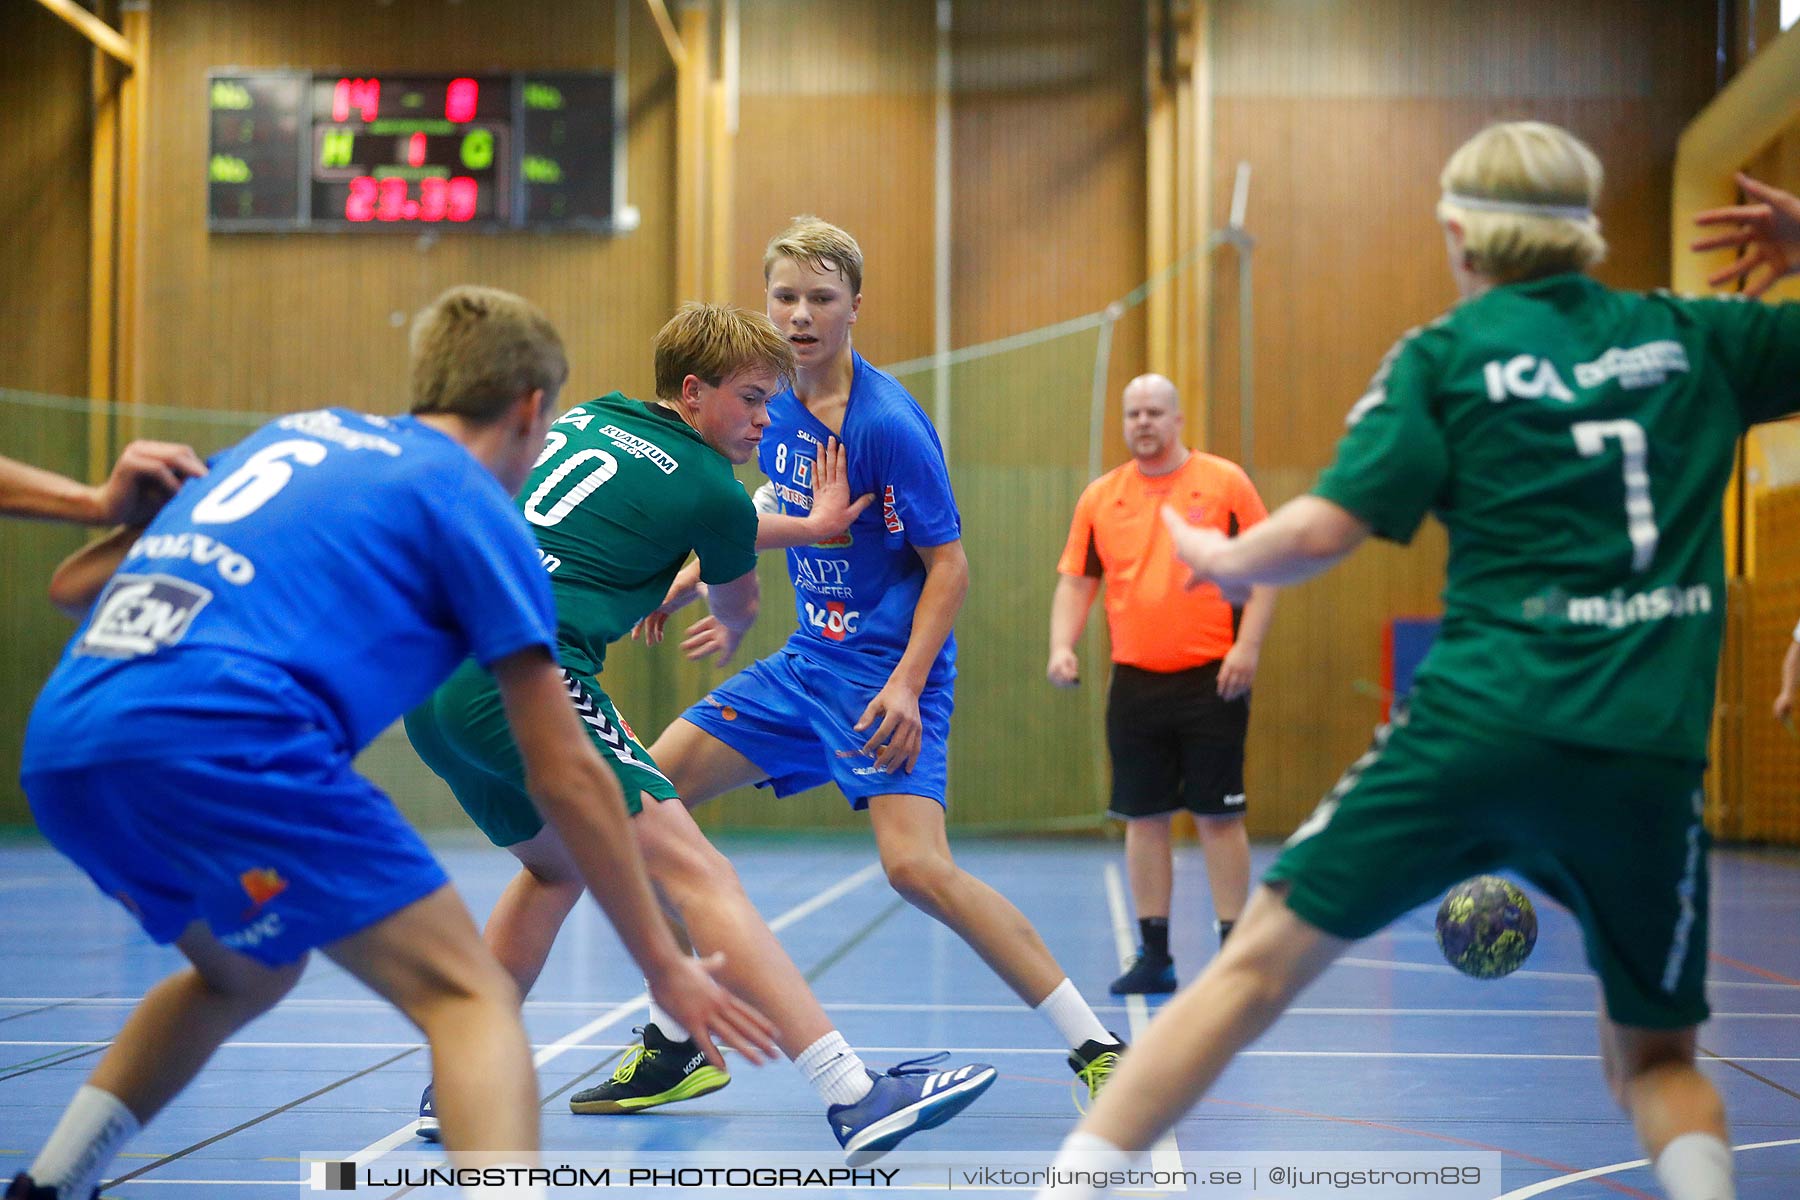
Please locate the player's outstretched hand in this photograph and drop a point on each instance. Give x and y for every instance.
(833, 510)
(683, 590)
(1768, 233)
(710, 637)
(1784, 707)
(1064, 670)
(143, 479)
(688, 992)
(1196, 546)
(899, 733)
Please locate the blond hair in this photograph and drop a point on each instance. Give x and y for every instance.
(715, 342)
(819, 244)
(476, 350)
(1515, 167)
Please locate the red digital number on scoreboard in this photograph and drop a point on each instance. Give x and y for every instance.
(389, 199)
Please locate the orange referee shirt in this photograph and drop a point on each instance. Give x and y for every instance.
(1155, 622)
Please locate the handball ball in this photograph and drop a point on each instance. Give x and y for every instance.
(1486, 927)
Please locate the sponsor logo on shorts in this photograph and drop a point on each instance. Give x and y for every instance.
(265, 928)
(728, 712)
(1235, 800)
(140, 614)
(261, 884)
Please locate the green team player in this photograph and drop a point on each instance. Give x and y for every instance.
(622, 494)
(1575, 442)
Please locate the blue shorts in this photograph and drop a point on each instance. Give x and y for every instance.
(278, 850)
(795, 719)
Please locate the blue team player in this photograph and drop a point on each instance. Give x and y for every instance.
(192, 751)
(861, 694)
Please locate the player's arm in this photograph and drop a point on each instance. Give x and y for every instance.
(733, 606)
(893, 715)
(1304, 537)
(143, 479)
(832, 510)
(581, 799)
(79, 578)
(1790, 675)
(1069, 609)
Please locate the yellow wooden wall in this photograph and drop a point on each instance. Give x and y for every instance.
(1346, 113)
(45, 127)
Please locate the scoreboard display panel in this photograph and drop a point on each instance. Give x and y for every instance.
(295, 150)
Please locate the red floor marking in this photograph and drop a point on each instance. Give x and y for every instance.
(1776, 976)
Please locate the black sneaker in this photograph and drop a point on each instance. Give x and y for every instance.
(1093, 1064)
(1146, 975)
(22, 1188)
(654, 1072)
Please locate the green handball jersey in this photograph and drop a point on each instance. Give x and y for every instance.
(1576, 443)
(621, 493)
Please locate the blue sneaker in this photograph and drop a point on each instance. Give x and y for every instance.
(910, 1097)
(1146, 975)
(427, 1128)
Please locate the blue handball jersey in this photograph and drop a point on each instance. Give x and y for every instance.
(329, 572)
(854, 595)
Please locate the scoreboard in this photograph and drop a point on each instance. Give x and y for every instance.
(295, 150)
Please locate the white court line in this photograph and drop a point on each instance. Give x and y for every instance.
(1572, 976)
(550, 1050)
(1563, 1181)
(619, 1012)
(1165, 1155)
(353, 1003)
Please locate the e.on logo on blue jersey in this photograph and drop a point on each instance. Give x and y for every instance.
(140, 614)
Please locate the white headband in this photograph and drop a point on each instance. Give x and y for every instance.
(1567, 212)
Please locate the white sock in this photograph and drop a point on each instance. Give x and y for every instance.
(93, 1129)
(1696, 1166)
(835, 1071)
(668, 1026)
(507, 1191)
(1084, 1154)
(1065, 1009)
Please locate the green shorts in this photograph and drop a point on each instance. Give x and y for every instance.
(1617, 838)
(462, 734)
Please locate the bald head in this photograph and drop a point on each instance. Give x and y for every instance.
(1153, 423)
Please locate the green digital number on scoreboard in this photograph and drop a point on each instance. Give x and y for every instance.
(294, 150)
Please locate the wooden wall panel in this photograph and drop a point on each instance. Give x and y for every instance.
(274, 322)
(837, 120)
(46, 126)
(1347, 113)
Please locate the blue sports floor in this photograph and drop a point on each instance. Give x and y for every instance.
(1390, 1051)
